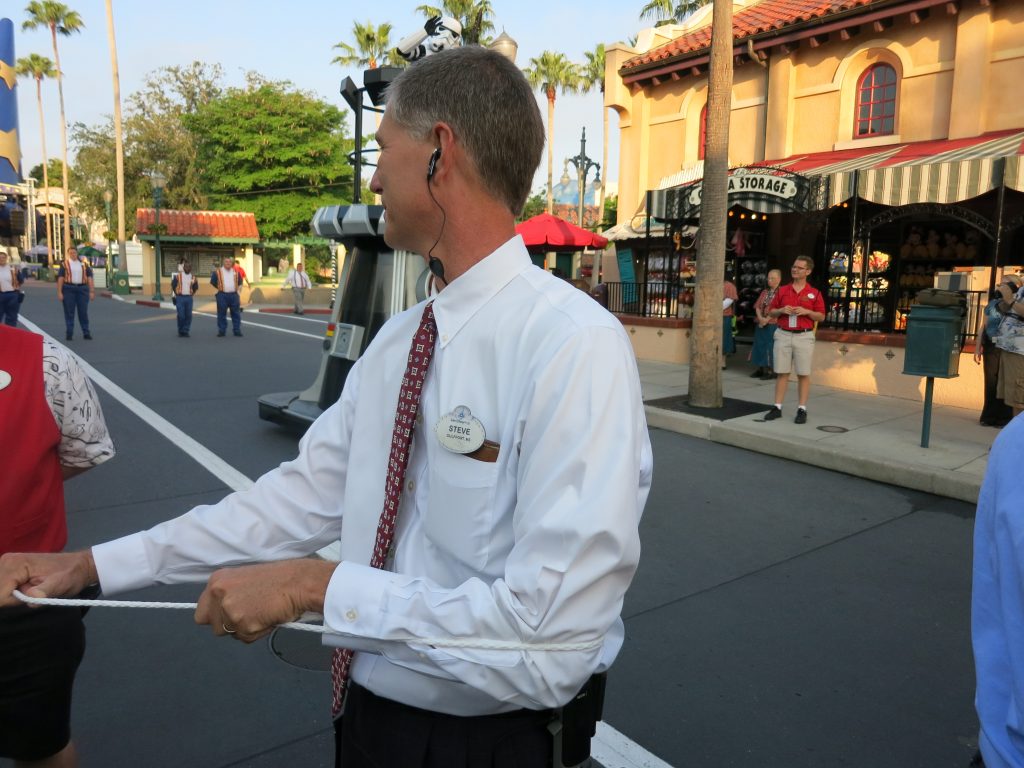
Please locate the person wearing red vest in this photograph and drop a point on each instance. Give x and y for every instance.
(797, 308)
(228, 283)
(75, 290)
(50, 411)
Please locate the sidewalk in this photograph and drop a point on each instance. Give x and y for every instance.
(870, 436)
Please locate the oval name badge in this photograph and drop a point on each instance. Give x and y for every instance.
(460, 431)
(5, 379)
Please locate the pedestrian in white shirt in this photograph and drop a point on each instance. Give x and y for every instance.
(299, 281)
(489, 589)
(10, 290)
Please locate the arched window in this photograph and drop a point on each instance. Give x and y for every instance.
(703, 132)
(876, 102)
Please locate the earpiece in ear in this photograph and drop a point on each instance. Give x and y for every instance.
(432, 165)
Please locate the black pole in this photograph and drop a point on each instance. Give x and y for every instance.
(357, 164)
(853, 251)
(1000, 200)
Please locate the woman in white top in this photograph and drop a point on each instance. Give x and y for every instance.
(10, 290)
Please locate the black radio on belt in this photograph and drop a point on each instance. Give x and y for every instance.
(576, 723)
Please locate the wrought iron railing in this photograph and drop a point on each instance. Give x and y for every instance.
(644, 299)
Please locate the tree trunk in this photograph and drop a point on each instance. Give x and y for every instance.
(46, 175)
(64, 143)
(706, 339)
(118, 139)
(551, 148)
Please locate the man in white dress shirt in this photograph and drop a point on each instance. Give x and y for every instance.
(299, 281)
(529, 542)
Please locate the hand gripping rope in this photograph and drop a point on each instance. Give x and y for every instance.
(437, 642)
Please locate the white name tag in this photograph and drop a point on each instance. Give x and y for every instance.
(460, 431)
(5, 379)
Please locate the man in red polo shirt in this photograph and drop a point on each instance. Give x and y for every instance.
(798, 306)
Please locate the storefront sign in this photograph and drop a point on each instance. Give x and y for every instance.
(746, 182)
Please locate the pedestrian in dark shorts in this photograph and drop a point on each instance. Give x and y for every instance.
(49, 410)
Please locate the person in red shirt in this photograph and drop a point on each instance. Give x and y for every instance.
(797, 307)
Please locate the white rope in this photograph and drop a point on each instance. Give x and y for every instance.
(437, 642)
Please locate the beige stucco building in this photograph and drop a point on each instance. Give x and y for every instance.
(902, 117)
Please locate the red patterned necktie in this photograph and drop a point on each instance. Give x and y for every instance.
(420, 352)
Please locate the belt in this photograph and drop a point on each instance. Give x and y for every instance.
(796, 330)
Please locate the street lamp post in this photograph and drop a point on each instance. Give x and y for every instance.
(159, 181)
(583, 164)
(108, 198)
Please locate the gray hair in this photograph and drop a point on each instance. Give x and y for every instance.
(489, 106)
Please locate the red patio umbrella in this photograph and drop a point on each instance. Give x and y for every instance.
(545, 232)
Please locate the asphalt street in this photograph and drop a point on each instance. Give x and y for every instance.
(783, 616)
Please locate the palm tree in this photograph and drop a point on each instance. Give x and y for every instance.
(372, 45)
(473, 15)
(58, 18)
(593, 77)
(39, 68)
(706, 341)
(551, 72)
(667, 11)
(118, 133)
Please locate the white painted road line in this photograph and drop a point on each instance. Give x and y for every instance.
(613, 750)
(206, 458)
(609, 747)
(317, 336)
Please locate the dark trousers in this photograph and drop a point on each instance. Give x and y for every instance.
(184, 306)
(76, 297)
(994, 411)
(9, 302)
(226, 301)
(380, 733)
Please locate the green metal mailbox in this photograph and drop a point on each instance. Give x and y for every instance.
(933, 341)
(121, 283)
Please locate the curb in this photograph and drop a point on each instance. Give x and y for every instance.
(938, 482)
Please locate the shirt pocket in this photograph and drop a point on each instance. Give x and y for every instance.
(460, 506)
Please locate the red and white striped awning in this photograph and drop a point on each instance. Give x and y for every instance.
(941, 171)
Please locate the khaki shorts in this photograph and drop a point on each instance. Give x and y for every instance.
(1010, 385)
(793, 352)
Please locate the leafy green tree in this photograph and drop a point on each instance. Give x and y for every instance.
(534, 205)
(40, 68)
(592, 77)
(59, 19)
(670, 11)
(610, 212)
(154, 139)
(156, 129)
(552, 72)
(473, 15)
(372, 47)
(273, 150)
(54, 167)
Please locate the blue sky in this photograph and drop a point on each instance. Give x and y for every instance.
(293, 41)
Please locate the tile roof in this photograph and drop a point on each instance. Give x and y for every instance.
(765, 16)
(237, 225)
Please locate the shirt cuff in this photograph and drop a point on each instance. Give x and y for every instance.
(354, 604)
(122, 564)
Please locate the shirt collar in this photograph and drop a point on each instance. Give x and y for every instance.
(464, 296)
